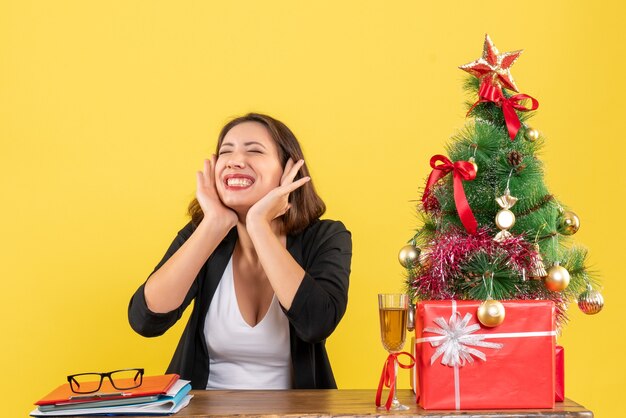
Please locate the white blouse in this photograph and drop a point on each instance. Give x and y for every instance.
(241, 356)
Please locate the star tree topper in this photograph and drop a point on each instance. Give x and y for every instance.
(494, 66)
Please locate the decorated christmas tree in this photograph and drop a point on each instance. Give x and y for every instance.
(491, 228)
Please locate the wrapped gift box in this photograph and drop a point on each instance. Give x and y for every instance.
(559, 382)
(518, 367)
(560, 374)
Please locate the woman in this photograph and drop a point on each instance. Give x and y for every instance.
(268, 278)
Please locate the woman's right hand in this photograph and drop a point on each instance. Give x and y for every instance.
(167, 288)
(209, 200)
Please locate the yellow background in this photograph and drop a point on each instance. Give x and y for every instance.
(108, 108)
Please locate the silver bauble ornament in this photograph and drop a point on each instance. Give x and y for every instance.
(491, 313)
(590, 301)
(409, 256)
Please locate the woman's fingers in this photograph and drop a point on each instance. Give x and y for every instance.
(200, 179)
(206, 185)
(291, 171)
(208, 170)
(203, 173)
(290, 187)
(286, 170)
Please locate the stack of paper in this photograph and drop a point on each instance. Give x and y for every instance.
(158, 395)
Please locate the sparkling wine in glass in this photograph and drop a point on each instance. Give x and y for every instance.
(393, 311)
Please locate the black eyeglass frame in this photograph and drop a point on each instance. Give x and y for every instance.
(71, 377)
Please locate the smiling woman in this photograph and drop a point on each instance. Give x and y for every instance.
(268, 277)
(274, 138)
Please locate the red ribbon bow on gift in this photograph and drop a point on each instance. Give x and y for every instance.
(388, 376)
(463, 170)
(490, 92)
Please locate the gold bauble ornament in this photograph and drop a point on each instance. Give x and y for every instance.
(491, 313)
(531, 134)
(569, 223)
(505, 219)
(472, 160)
(409, 256)
(557, 278)
(590, 301)
(424, 258)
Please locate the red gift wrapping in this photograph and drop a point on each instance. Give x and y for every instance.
(414, 368)
(559, 359)
(518, 368)
(559, 363)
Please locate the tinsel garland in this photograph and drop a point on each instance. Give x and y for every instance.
(448, 253)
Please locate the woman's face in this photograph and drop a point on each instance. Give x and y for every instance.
(248, 166)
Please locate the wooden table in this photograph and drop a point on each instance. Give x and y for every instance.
(339, 403)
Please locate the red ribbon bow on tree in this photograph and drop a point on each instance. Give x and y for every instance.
(388, 376)
(463, 170)
(490, 92)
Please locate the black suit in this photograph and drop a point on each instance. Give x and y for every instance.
(323, 249)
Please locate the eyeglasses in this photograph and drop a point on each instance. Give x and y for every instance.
(92, 382)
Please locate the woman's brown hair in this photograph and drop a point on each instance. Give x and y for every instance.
(306, 205)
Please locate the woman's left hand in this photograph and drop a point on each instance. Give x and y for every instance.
(276, 202)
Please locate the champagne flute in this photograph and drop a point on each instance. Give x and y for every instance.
(393, 310)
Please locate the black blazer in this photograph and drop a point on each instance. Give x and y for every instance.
(323, 249)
